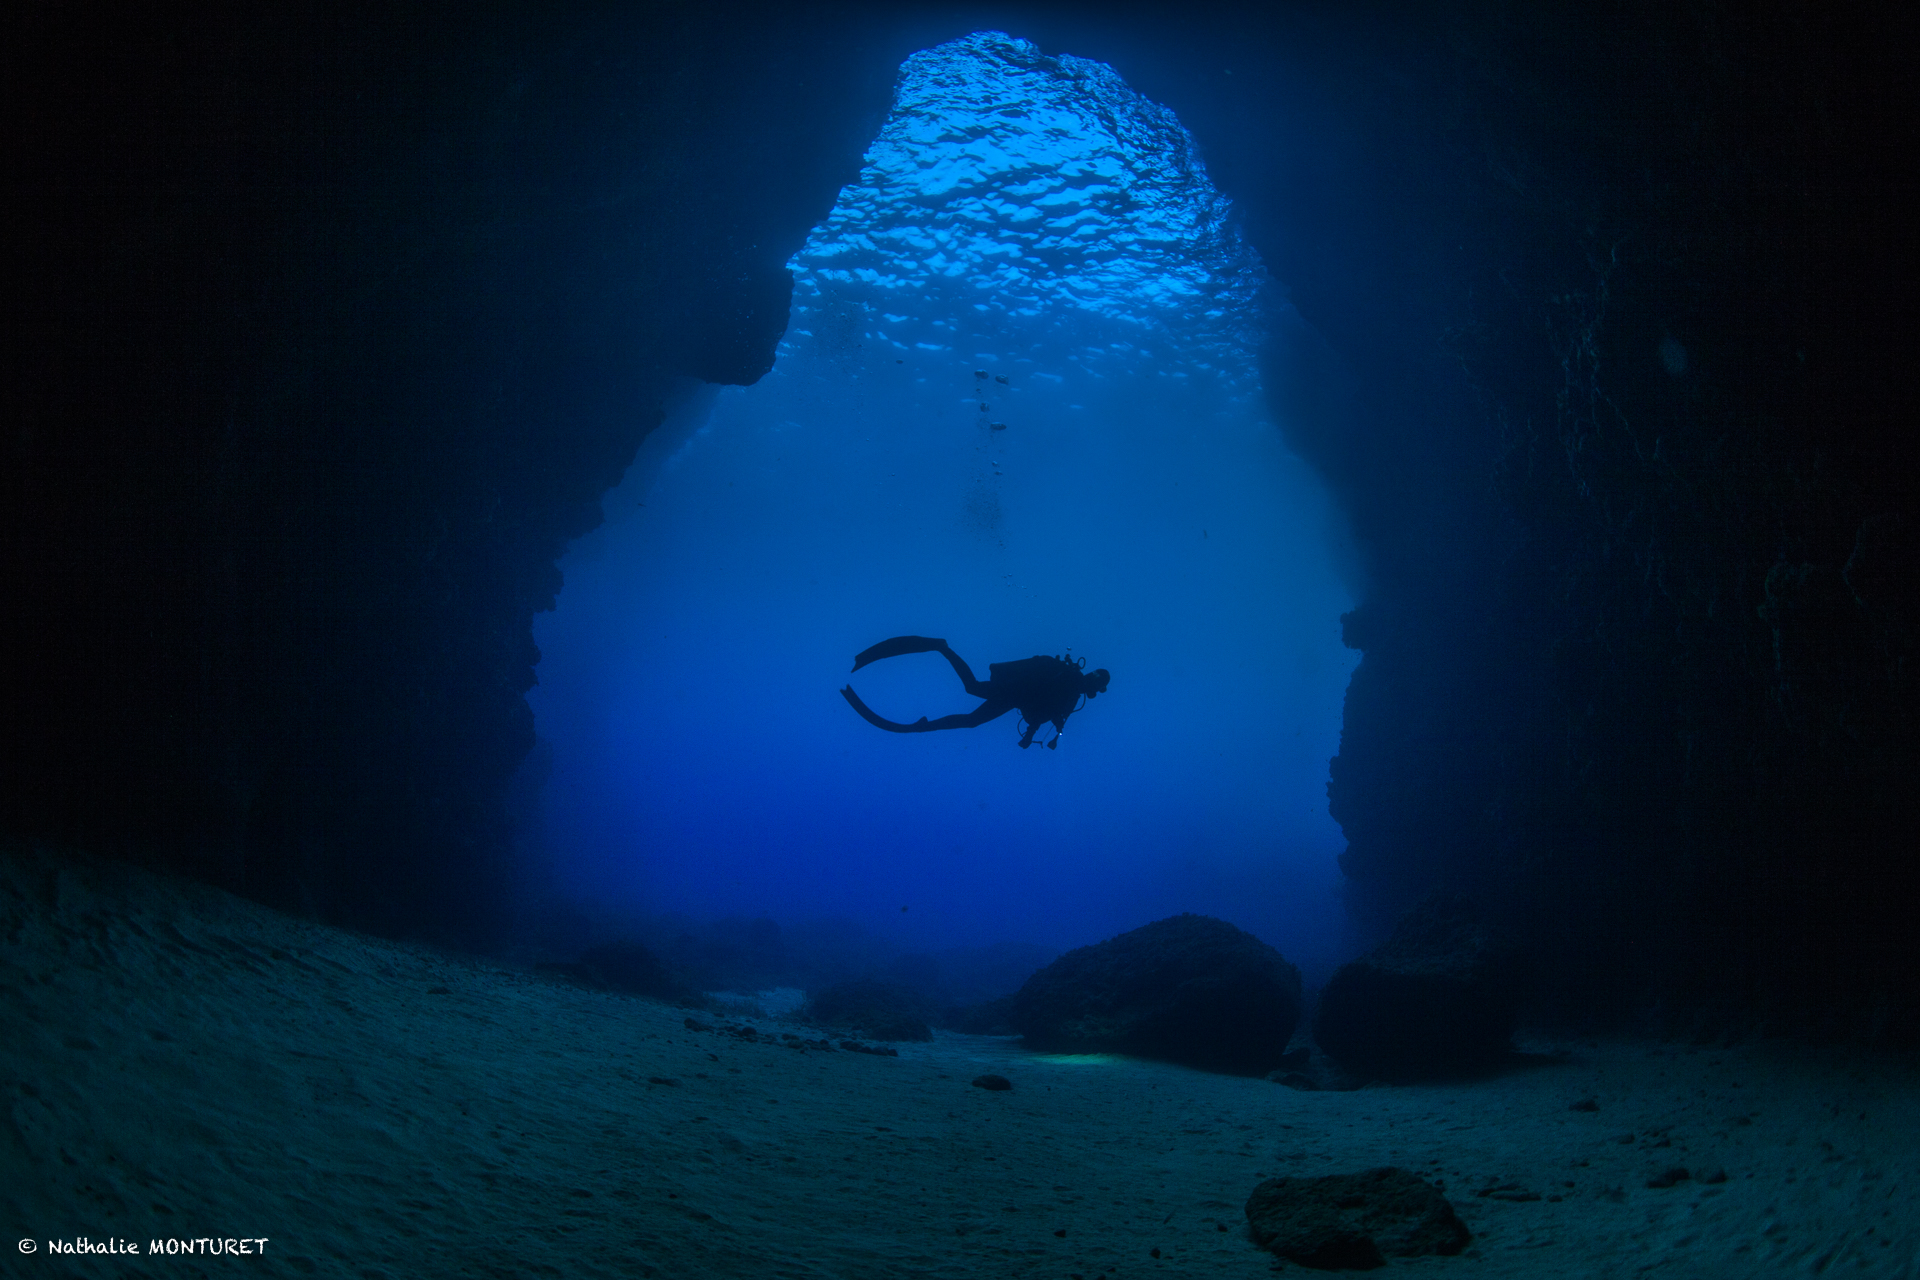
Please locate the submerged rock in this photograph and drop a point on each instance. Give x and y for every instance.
(1354, 1220)
(622, 966)
(1187, 989)
(628, 966)
(878, 1010)
(1439, 997)
(988, 1018)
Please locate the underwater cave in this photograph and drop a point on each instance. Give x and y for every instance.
(455, 458)
(1018, 406)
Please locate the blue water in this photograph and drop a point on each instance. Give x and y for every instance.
(1018, 408)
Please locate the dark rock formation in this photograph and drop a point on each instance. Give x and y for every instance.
(629, 966)
(878, 1010)
(1437, 998)
(331, 326)
(625, 966)
(992, 1083)
(988, 1018)
(1670, 743)
(1354, 1220)
(737, 955)
(1188, 989)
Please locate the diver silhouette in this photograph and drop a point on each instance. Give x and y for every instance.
(1040, 688)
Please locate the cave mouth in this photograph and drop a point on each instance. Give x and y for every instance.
(1018, 406)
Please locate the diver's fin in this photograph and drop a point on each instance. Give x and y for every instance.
(895, 647)
(853, 700)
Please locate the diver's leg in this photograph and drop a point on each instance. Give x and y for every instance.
(969, 720)
(898, 645)
(961, 669)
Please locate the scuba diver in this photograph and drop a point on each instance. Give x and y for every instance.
(1041, 688)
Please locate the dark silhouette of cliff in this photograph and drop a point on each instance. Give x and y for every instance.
(329, 331)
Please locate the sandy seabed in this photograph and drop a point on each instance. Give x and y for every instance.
(180, 1064)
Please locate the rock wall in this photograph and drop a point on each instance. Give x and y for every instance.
(332, 329)
(1688, 346)
(1621, 303)
(330, 332)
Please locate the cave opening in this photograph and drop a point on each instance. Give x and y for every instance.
(335, 325)
(1018, 406)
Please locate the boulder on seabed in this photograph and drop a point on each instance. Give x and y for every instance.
(1437, 998)
(625, 966)
(1188, 989)
(1354, 1221)
(878, 1010)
